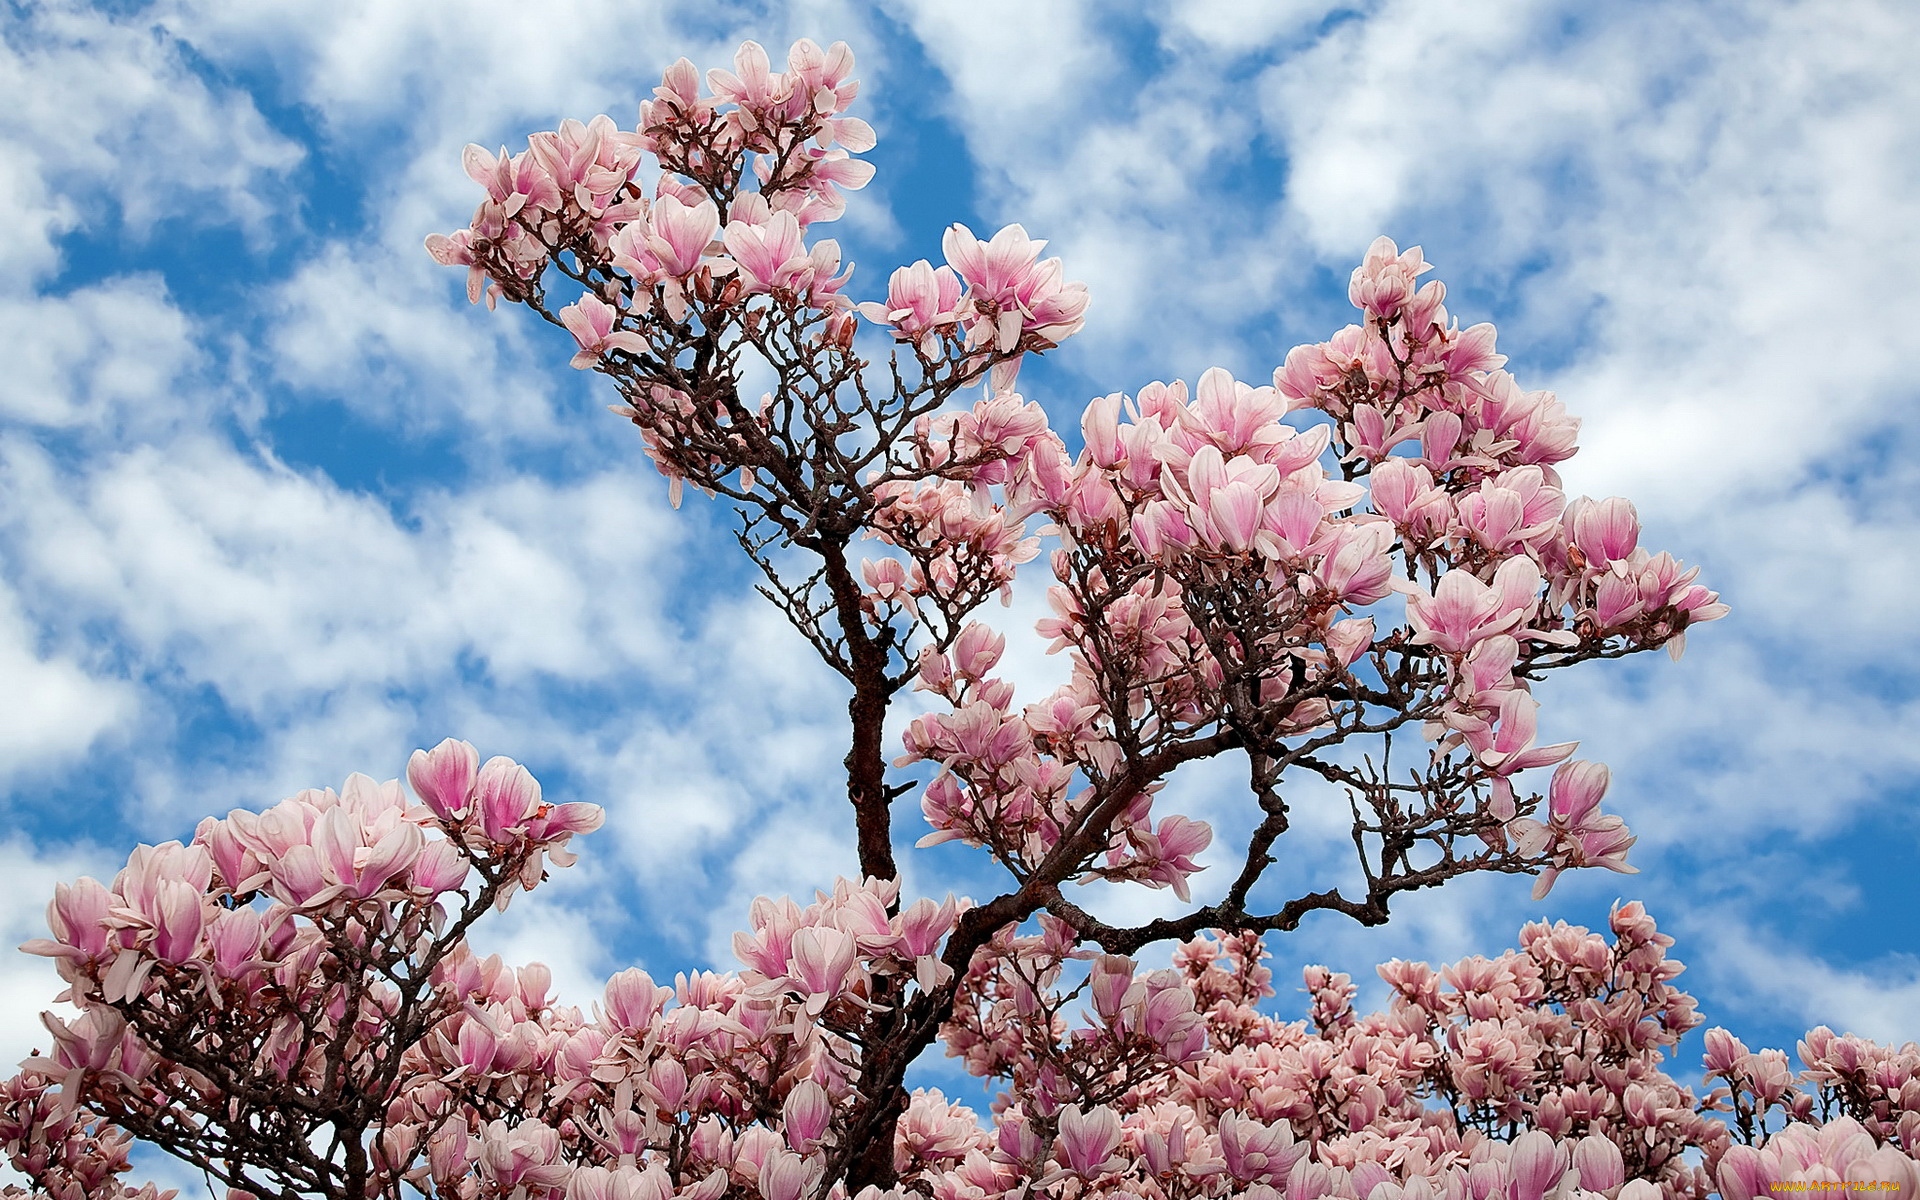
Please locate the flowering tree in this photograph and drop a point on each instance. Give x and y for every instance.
(288, 1002)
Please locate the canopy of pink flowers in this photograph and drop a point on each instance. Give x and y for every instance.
(275, 945)
(1376, 536)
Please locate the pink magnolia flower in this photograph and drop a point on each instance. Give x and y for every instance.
(178, 919)
(526, 1154)
(361, 867)
(921, 300)
(823, 77)
(456, 250)
(1167, 855)
(752, 83)
(1161, 530)
(1469, 352)
(995, 270)
(235, 938)
(1403, 491)
(633, 1000)
(669, 243)
(1724, 1051)
(1108, 979)
(443, 777)
(822, 959)
(1348, 639)
(1440, 435)
(1606, 531)
(1535, 1165)
(1599, 1163)
(1577, 832)
(887, 582)
(770, 252)
(512, 181)
(806, 1114)
(1012, 293)
(1577, 790)
(1535, 423)
(1355, 566)
(1100, 428)
(1506, 745)
(1257, 1152)
(591, 322)
(588, 163)
(77, 917)
(1238, 418)
(977, 650)
(1462, 610)
(1088, 1140)
(1384, 281)
(506, 797)
(785, 1176)
(440, 868)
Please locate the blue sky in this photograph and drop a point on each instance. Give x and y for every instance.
(276, 504)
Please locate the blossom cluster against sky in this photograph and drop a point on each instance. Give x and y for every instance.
(276, 504)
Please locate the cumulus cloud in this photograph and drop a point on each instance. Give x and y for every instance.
(55, 704)
(108, 121)
(268, 582)
(95, 356)
(1806, 987)
(1264, 27)
(1013, 65)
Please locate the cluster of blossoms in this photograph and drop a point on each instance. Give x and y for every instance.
(68, 1153)
(720, 1083)
(1222, 568)
(997, 296)
(1535, 1074)
(574, 188)
(706, 254)
(1848, 1077)
(1215, 571)
(1374, 545)
(278, 954)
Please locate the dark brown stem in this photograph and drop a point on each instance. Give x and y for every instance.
(872, 691)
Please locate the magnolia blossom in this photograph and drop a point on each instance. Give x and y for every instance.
(922, 301)
(591, 322)
(1012, 294)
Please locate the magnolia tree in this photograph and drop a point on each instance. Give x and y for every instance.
(1371, 550)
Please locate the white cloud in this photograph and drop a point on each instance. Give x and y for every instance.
(111, 354)
(1244, 26)
(1415, 98)
(371, 327)
(339, 633)
(53, 706)
(270, 583)
(1874, 1000)
(112, 108)
(1012, 65)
